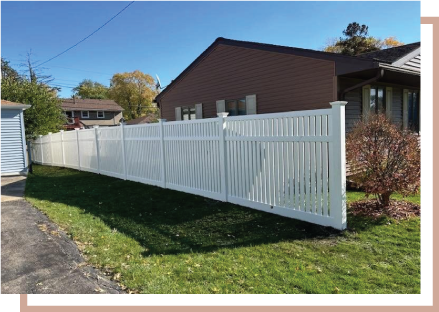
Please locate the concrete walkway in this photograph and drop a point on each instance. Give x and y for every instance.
(13, 188)
(38, 258)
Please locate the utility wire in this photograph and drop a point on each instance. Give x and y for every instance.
(86, 37)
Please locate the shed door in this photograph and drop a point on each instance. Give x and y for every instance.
(12, 153)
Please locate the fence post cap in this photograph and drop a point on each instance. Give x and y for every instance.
(223, 115)
(163, 120)
(40, 135)
(61, 130)
(76, 129)
(96, 126)
(341, 103)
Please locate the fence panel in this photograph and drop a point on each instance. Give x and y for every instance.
(142, 146)
(111, 160)
(192, 157)
(57, 150)
(291, 164)
(71, 149)
(274, 165)
(46, 150)
(88, 153)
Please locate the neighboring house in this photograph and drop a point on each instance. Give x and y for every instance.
(86, 113)
(142, 120)
(244, 78)
(13, 144)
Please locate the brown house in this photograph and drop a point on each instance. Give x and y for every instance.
(244, 78)
(87, 113)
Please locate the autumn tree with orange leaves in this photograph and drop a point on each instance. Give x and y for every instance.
(134, 91)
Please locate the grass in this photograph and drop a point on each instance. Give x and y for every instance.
(160, 241)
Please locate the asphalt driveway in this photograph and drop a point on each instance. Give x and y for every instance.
(38, 258)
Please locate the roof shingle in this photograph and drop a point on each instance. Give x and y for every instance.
(90, 104)
(142, 120)
(392, 54)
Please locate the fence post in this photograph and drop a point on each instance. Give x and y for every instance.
(51, 148)
(79, 152)
(223, 151)
(162, 152)
(337, 165)
(62, 148)
(122, 135)
(41, 148)
(97, 147)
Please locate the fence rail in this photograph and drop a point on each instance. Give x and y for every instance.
(291, 164)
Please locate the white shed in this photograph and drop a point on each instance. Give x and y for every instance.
(13, 143)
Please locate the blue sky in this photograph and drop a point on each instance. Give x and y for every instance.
(165, 37)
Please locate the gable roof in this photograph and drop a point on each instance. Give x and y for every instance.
(357, 63)
(90, 104)
(391, 55)
(12, 105)
(142, 120)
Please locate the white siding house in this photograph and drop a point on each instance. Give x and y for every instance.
(13, 144)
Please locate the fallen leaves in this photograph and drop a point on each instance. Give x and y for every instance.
(398, 209)
(42, 227)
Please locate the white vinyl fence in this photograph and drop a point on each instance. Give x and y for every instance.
(291, 164)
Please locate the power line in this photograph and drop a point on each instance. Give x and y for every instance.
(87, 36)
(61, 86)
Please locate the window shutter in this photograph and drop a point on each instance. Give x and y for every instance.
(389, 102)
(220, 106)
(250, 104)
(405, 111)
(366, 101)
(178, 113)
(420, 119)
(199, 111)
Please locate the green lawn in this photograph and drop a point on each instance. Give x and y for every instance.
(161, 241)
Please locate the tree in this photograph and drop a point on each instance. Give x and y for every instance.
(89, 89)
(8, 71)
(134, 91)
(356, 41)
(45, 114)
(34, 73)
(384, 158)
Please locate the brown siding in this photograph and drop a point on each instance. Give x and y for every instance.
(281, 82)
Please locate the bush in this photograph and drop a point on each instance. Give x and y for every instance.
(45, 114)
(385, 159)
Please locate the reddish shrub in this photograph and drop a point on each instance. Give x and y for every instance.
(384, 158)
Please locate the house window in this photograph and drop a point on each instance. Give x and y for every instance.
(70, 114)
(84, 114)
(101, 114)
(413, 110)
(236, 107)
(377, 100)
(188, 113)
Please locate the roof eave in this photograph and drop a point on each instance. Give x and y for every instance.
(401, 61)
(18, 106)
(399, 69)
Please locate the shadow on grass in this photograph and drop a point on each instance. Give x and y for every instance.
(165, 221)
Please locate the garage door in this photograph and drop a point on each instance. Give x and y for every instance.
(12, 154)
